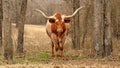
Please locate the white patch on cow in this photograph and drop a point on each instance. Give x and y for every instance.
(57, 20)
(63, 17)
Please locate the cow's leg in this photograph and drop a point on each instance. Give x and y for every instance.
(52, 49)
(55, 46)
(62, 46)
(56, 50)
(61, 49)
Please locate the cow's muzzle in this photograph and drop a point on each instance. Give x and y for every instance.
(59, 30)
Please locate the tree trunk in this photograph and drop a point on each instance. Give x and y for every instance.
(97, 22)
(76, 27)
(116, 18)
(8, 46)
(21, 26)
(107, 39)
(1, 18)
(17, 11)
(84, 19)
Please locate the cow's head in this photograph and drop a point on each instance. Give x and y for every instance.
(58, 23)
(58, 20)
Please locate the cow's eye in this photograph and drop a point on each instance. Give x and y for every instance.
(52, 20)
(67, 20)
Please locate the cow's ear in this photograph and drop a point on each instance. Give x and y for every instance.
(52, 20)
(67, 20)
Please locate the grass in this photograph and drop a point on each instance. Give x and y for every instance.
(42, 57)
(38, 50)
(75, 57)
(33, 57)
(18, 60)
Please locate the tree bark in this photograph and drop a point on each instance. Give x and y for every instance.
(17, 11)
(116, 18)
(8, 46)
(84, 19)
(76, 26)
(1, 18)
(21, 27)
(107, 39)
(97, 22)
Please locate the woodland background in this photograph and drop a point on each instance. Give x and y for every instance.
(94, 38)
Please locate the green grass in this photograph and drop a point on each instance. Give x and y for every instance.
(44, 56)
(75, 57)
(18, 60)
(33, 57)
(78, 57)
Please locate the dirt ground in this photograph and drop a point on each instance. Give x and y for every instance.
(38, 53)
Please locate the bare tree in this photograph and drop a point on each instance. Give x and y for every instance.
(84, 19)
(76, 27)
(21, 26)
(17, 11)
(115, 18)
(97, 22)
(1, 17)
(8, 46)
(107, 39)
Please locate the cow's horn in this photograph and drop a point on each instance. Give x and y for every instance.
(74, 12)
(42, 13)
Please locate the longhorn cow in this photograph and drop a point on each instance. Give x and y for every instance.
(57, 29)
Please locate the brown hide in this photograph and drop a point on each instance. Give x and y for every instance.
(59, 29)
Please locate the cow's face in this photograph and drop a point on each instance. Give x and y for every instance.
(58, 23)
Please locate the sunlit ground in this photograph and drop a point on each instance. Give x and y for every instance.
(37, 54)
